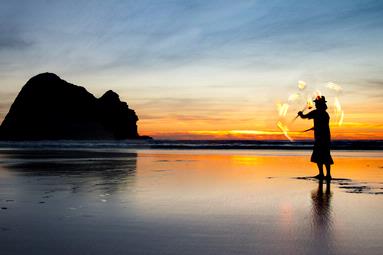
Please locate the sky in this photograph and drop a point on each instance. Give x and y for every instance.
(205, 69)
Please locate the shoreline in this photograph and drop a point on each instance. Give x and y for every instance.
(348, 145)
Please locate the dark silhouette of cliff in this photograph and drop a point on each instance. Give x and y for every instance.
(49, 108)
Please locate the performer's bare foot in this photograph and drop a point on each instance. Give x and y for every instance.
(319, 176)
(328, 177)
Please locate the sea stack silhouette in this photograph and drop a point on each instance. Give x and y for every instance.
(49, 108)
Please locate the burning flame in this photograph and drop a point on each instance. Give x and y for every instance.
(285, 130)
(309, 103)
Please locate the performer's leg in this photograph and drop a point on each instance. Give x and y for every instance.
(328, 169)
(320, 168)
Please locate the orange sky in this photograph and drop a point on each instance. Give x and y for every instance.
(363, 122)
(230, 117)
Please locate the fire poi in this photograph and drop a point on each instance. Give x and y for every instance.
(303, 97)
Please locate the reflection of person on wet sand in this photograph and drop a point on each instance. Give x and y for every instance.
(321, 153)
(322, 219)
(321, 202)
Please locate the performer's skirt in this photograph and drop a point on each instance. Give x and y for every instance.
(321, 154)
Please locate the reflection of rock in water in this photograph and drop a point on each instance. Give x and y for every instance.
(81, 169)
(322, 219)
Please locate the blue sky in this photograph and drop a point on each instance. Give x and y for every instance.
(215, 55)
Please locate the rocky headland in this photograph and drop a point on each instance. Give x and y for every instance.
(49, 108)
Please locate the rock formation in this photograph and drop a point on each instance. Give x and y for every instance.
(49, 108)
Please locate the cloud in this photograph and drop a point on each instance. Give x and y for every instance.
(137, 35)
(11, 38)
(266, 34)
(201, 118)
(376, 83)
(12, 42)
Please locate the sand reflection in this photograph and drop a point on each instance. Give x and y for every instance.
(322, 221)
(82, 170)
(169, 202)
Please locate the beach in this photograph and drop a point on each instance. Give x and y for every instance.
(172, 201)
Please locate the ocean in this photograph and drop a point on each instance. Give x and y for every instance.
(197, 144)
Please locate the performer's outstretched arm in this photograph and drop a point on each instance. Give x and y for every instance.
(304, 116)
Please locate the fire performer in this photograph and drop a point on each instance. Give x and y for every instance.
(321, 152)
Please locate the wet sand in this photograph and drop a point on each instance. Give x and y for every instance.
(188, 202)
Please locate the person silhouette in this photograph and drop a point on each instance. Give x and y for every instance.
(321, 151)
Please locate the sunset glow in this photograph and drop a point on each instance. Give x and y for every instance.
(211, 70)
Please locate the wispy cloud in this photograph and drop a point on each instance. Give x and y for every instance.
(9, 41)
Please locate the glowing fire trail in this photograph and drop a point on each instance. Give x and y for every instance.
(301, 85)
(294, 97)
(334, 86)
(339, 113)
(285, 130)
(282, 109)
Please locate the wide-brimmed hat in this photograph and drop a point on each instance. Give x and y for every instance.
(320, 99)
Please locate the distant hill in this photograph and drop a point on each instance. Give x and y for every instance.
(49, 108)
